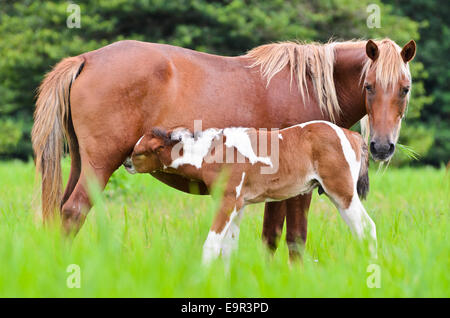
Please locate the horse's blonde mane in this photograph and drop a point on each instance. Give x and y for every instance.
(313, 59)
(317, 61)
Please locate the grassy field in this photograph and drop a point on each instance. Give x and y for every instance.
(144, 239)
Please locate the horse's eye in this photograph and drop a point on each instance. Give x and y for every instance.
(369, 88)
(404, 91)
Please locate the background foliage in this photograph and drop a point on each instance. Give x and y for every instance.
(34, 37)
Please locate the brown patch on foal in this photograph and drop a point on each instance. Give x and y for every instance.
(339, 184)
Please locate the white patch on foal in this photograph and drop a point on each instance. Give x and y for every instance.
(223, 243)
(194, 149)
(238, 138)
(349, 153)
(239, 187)
(360, 223)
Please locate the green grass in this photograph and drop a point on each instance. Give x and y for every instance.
(145, 239)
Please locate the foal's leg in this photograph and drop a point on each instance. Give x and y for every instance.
(345, 198)
(224, 234)
(360, 222)
(342, 192)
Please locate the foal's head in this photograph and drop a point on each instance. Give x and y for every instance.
(152, 151)
(387, 85)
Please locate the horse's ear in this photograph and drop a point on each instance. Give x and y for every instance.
(372, 50)
(408, 51)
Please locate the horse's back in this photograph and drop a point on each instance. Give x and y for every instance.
(129, 86)
(161, 79)
(136, 58)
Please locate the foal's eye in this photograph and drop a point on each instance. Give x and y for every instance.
(369, 88)
(404, 91)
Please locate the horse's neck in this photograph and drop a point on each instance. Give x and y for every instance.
(349, 87)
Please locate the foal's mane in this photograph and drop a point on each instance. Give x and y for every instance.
(317, 60)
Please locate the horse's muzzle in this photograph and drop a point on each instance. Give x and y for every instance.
(382, 151)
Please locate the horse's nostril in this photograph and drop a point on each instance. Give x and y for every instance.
(391, 147)
(372, 147)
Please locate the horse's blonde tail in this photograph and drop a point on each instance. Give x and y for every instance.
(50, 125)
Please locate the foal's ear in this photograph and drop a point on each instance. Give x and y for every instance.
(155, 143)
(372, 50)
(164, 136)
(409, 51)
(147, 144)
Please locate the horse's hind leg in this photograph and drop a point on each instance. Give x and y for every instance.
(75, 170)
(78, 204)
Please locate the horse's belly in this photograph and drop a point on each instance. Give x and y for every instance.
(287, 191)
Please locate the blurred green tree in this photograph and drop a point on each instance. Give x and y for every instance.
(433, 52)
(34, 36)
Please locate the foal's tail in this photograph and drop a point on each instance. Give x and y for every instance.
(362, 186)
(51, 123)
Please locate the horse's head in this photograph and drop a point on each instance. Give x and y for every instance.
(387, 85)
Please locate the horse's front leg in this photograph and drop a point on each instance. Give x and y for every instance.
(223, 236)
(274, 214)
(297, 224)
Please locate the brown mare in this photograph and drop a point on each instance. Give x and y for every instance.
(103, 101)
(301, 158)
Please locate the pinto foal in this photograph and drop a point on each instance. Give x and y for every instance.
(313, 154)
